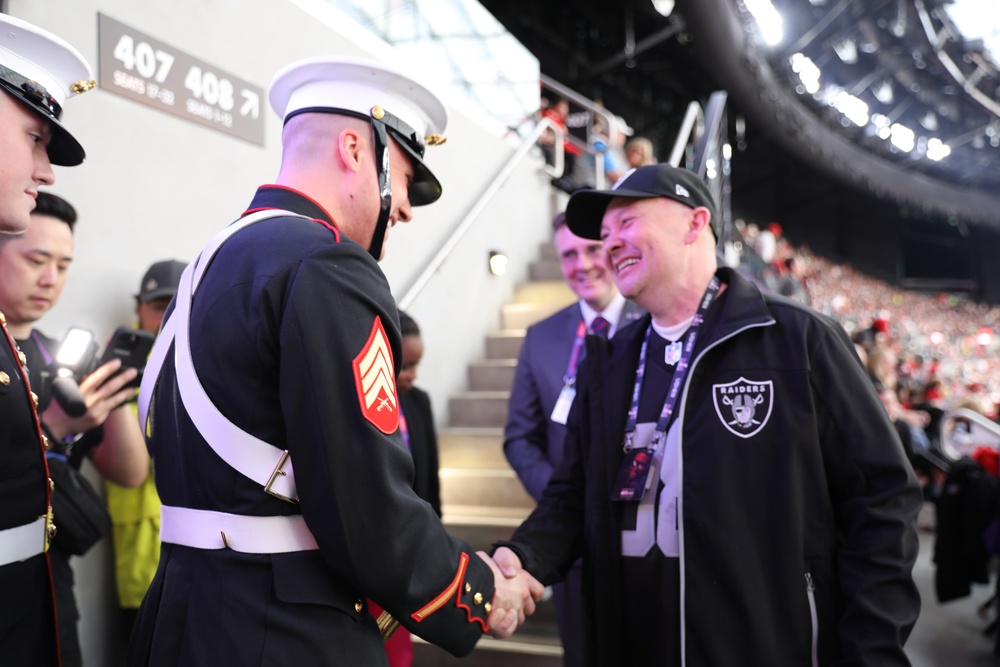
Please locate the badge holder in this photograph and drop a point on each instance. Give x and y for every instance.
(633, 479)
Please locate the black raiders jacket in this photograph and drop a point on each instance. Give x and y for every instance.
(797, 523)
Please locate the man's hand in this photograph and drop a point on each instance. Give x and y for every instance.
(101, 397)
(516, 594)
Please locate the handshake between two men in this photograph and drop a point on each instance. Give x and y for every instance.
(516, 592)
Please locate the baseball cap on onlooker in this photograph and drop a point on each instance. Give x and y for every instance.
(161, 279)
(586, 208)
(41, 71)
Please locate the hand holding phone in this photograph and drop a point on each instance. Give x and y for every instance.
(132, 347)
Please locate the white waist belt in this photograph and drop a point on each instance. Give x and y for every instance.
(204, 529)
(22, 542)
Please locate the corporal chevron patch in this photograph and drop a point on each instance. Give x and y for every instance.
(375, 379)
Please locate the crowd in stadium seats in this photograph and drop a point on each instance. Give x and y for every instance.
(944, 344)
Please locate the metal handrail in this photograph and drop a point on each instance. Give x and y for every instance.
(570, 94)
(983, 431)
(692, 116)
(505, 172)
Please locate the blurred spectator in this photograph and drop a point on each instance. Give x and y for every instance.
(639, 152)
(791, 283)
(767, 242)
(35, 266)
(557, 113)
(135, 512)
(416, 428)
(607, 143)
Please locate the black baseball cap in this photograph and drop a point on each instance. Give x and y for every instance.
(586, 208)
(161, 279)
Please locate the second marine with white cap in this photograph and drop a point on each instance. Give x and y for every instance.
(38, 73)
(274, 413)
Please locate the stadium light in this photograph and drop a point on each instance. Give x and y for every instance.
(937, 150)
(852, 107)
(664, 7)
(902, 137)
(807, 71)
(768, 20)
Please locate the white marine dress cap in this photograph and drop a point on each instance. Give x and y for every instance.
(412, 113)
(42, 71)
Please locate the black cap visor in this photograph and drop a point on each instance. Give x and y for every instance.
(63, 149)
(586, 209)
(425, 187)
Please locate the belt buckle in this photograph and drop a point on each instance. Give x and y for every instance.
(274, 476)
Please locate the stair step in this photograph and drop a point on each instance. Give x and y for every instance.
(504, 344)
(544, 270)
(484, 487)
(492, 375)
(548, 292)
(523, 650)
(471, 448)
(479, 408)
(480, 538)
(523, 315)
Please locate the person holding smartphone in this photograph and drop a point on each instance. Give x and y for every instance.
(35, 267)
(135, 511)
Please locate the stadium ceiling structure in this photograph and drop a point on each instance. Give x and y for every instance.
(894, 97)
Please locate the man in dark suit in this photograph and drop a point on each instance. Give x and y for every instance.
(544, 386)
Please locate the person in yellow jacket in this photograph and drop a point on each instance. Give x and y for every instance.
(135, 511)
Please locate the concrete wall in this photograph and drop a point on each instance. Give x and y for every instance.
(155, 186)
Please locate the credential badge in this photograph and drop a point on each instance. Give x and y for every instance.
(744, 406)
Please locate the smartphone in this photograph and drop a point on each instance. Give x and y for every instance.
(132, 346)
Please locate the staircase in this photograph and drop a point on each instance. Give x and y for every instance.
(482, 499)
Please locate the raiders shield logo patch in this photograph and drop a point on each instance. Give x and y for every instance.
(376, 381)
(744, 406)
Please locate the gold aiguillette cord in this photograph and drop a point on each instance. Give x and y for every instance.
(386, 625)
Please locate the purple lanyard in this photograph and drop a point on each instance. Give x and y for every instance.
(679, 374)
(41, 348)
(574, 358)
(404, 429)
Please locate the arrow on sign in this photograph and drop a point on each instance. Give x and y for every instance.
(251, 104)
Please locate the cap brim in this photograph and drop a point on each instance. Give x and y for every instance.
(156, 294)
(586, 209)
(425, 188)
(63, 149)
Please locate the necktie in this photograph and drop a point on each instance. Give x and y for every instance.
(600, 327)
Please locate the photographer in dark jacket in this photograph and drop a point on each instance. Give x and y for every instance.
(34, 266)
(764, 511)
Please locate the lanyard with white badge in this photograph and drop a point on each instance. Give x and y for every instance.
(565, 401)
(633, 476)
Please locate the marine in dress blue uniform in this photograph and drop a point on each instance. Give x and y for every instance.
(38, 72)
(293, 335)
